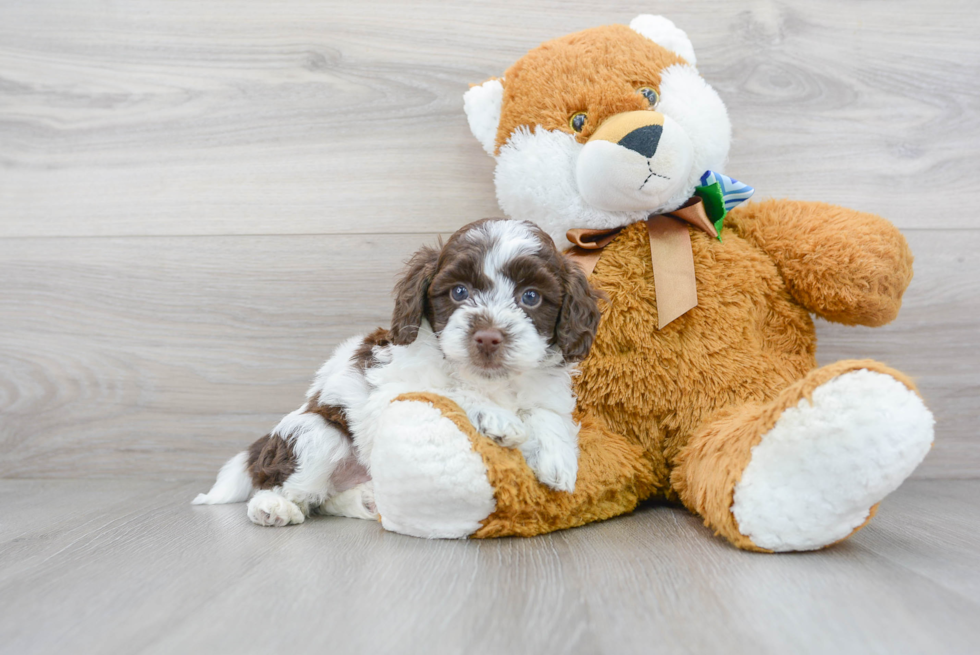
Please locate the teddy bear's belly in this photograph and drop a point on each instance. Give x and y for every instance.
(745, 341)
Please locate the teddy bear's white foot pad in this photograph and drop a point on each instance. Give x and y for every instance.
(814, 477)
(428, 480)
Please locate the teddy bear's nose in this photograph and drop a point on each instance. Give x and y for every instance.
(643, 140)
(639, 131)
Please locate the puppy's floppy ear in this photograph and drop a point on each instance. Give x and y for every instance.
(578, 320)
(410, 296)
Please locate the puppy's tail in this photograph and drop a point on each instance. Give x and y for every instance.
(233, 485)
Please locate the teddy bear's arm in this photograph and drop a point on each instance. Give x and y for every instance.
(846, 266)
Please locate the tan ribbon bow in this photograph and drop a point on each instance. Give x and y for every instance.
(670, 250)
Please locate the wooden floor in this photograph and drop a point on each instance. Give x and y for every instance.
(131, 567)
(199, 199)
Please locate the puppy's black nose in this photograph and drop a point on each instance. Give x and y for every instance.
(643, 140)
(488, 340)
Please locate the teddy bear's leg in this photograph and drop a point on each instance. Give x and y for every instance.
(807, 469)
(435, 476)
(428, 480)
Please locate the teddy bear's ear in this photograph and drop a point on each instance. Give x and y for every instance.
(665, 34)
(482, 106)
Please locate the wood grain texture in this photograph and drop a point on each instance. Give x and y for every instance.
(131, 567)
(164, 356)
(197, 204)
(299, 117)
(160, 354)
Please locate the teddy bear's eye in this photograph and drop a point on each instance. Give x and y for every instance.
(650, 94)
(577, 122)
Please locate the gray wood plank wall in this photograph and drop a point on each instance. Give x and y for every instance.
(198, 200)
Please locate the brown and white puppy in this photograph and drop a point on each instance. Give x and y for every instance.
(494, 320)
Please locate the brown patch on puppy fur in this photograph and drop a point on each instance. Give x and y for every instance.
(363, 357)
(333, 414)
(578, 322)
(461, 261)
(558, 79)
(271, 461)
(543, 274)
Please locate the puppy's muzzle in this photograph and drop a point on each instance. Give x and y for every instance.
(487, 342)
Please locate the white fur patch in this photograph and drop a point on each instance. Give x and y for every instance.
(553, 453)
(428, 481)
(355, 503)
(814, 477)
(664, 33)
(339, 382)
(509, 240)
(234, 484)
(482, 106)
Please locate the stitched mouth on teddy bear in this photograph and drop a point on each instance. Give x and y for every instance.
(652, 174)
(634, 162)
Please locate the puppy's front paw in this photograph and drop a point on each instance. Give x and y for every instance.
(503, 426)
(270, 509)
(555, 465)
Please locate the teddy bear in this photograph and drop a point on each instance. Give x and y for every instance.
(702, 386)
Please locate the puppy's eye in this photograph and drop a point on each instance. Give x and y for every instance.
(650, 94)
(531, 298)
(577, 122)
(459, 293)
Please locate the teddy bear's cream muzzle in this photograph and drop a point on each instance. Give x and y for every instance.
(637, 160)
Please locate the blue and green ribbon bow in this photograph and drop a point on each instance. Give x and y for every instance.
(720, 194)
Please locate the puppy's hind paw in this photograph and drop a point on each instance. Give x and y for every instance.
(268, 508)
(355, 503)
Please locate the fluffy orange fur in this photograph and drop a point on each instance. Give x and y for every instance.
(545, 87)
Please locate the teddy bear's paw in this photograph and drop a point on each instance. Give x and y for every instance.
(814, 477)
(555, 464)
(428, 480)
(267, 508)
(501, 425)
